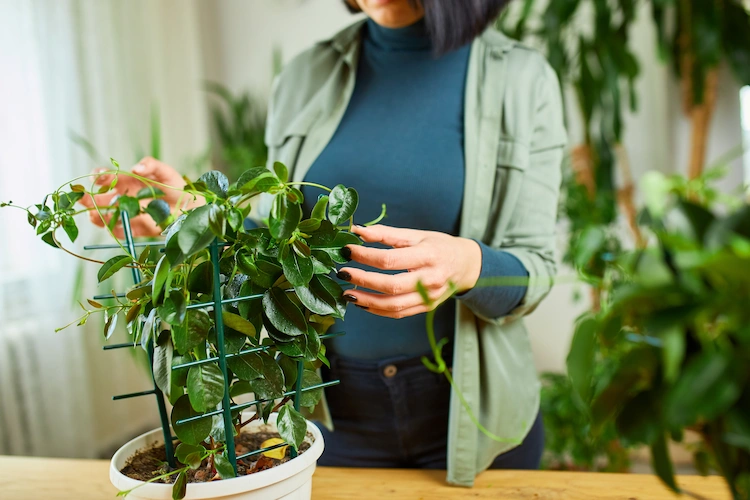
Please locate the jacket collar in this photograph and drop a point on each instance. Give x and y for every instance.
(347, 39)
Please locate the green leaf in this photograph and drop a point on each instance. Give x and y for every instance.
(193, 332)
(129, 205)
(216, 182)
(159, 210)
(205, 386)
(329, 240)
(294, 348)
(309, 399)
(322, 262)
(319, 210)
(67, 200)
(247, 367)
(707, 387)
(149, 192)
(580, 361)
(109, 326)
(635, 371)
(639, 421)
(239, 388)
(253, 308)
(201, 278)
(589, 243)
(246, 263)
(179, 489)
(70, 228)
(189, 454)
(235, 218)
(162, 366)
(309, 225)
(113, 265)
(267, 275)
(180, 375)
(673, 352)
(662, 463)
(174, 309)
(195, 234)
(313, 345)
(49, 239)
(342, 204)
(297, 269)
(223, 466)
(234, 341)
(284, 217)
(283, 313)
(239, 324)
(281, 171)
(216, 220)
(322, 296)
(191, 432)
(291, 426)
(160, 278)
(289, 367)
(271, 386)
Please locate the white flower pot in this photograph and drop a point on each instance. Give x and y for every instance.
(289, 481)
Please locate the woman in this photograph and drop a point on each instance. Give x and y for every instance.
(459, 131)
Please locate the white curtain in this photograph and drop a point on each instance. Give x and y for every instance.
(96, 68)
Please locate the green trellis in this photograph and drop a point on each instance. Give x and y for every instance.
(217, 304)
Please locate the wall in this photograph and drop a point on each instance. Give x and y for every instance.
(239, 36)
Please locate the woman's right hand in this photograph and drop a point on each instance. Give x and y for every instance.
(148, 168)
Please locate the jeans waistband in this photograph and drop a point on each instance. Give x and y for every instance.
(400, 362)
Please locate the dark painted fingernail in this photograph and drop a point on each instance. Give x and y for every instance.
(346, 253)
(350, 298)
(362, 307)
(343, 275)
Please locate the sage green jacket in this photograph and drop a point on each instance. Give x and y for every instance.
(514, 141)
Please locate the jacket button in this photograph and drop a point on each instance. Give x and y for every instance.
(390, 370)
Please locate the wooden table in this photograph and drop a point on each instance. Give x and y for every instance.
(58, 479)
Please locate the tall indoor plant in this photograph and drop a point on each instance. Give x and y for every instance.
(673, 335)
(198, 306)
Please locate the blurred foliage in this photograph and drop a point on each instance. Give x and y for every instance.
(569, 443)
(674, 333)
(586, 42)
(239, 122)
(697, 35)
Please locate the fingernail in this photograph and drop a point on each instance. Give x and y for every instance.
(138, 168)
(350, 298)
(362, 307)
(343, 275)
(346, 253)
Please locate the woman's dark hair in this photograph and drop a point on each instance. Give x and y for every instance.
(453, 23)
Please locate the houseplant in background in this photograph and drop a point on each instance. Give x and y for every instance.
(198, 309)
(673, 334)
(588, 43)
(239, 122)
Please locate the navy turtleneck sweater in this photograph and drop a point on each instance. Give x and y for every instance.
(400, 142)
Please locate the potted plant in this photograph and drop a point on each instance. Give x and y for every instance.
(673, 336)
(223, 311)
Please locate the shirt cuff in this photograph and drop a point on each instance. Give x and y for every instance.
(495, 301)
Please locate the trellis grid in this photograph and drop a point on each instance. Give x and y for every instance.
(226, 407)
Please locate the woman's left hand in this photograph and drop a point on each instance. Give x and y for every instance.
(432, 258)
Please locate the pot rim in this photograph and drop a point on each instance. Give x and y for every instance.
(249, 482)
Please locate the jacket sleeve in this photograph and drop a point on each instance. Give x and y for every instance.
(530, 232)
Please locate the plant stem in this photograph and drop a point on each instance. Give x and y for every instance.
(311, 184)
(256, 416)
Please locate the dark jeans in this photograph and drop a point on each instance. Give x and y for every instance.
(394, 414)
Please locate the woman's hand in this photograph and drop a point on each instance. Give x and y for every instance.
(432, 258)
(151, 169)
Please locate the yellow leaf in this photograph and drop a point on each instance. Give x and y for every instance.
(277, 453)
